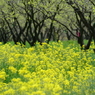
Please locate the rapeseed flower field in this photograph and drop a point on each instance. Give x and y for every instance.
(50, 69)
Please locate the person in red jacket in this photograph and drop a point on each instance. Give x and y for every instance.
(78, 34)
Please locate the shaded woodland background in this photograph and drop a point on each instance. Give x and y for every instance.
(37, 20)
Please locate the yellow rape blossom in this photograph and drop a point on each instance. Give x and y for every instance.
(12, 69)
(66, 82)
(57, 88)
(2, 74)
(46, 70)
(16, 80)
(38, 93)
(9, 92)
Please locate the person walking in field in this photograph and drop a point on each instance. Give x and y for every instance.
(78, 35)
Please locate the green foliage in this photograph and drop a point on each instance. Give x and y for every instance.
(38, 15)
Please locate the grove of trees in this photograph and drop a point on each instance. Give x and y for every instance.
(37, 20)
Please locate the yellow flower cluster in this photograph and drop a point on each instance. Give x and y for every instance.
(50, 69)
(2, 74)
